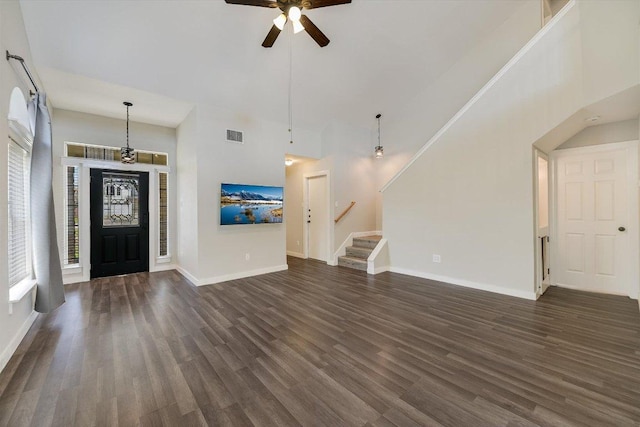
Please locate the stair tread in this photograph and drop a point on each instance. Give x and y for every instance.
(370, 238)
(366, 242)
(352, 263)
(359, 250)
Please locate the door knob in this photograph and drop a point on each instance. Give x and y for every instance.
(621, 229)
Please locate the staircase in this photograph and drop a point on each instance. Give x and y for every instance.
(357, 254)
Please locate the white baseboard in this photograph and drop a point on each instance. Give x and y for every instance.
(242, 275)
(379, 270)
(17, 339)
(163, 267)
(296, 254)
(530, 295)
(188, 275)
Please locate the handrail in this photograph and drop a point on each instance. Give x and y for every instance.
(346, 211)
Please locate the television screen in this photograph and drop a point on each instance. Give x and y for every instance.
(250, 204)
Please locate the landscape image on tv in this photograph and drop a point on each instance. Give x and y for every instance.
(250, 204)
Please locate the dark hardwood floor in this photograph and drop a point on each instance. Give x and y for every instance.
(319, 345)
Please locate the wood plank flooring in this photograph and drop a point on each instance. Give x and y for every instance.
(319, 345)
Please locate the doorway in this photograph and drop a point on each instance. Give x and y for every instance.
(119, 222)
(596, 226)
(317, 216)
(543, 270)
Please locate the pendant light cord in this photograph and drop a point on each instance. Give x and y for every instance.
(378, 117)
(127, 127)
(291, 84)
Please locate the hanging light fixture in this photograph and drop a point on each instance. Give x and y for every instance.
(127, 154)
(379, 151)
(280, 21)
(294, 15)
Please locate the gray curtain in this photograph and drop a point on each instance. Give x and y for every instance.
(46, 259)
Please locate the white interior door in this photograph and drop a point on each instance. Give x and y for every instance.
(593, 221)
(317, 218)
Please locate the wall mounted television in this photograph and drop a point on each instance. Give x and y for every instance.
(250, 204)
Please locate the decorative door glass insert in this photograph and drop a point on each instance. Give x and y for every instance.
(121, 203)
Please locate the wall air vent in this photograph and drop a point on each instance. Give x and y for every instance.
(235, 136)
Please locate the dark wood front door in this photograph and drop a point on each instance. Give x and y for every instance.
(119, 222)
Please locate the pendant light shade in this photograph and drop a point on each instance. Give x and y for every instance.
(295, 14)
(297, 27)
(127, 154)
(379, 151)
(280, 21)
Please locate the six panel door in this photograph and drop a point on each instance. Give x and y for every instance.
(592, 220)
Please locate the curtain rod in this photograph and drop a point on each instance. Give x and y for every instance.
(24, 66)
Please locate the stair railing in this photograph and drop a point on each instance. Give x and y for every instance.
(346, 211)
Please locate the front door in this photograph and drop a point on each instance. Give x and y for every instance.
(593, 217)
(119, 222)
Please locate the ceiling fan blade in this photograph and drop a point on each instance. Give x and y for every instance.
(271, 37)
(314, 31)
(261, 3)
(314, 4)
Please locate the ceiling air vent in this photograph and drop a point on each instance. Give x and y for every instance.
(235, 136)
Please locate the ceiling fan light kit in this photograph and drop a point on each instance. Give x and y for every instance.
(292, 11)
(280, 21)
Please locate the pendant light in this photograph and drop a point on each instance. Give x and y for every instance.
(379, 151)
(127, 154)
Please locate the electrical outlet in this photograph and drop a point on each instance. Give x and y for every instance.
(247, 256)
(436, 258)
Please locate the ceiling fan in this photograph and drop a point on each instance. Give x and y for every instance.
(292, 11)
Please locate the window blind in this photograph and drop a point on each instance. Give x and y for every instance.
(18, 221)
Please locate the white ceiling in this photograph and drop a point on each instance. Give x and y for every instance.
(166, 56)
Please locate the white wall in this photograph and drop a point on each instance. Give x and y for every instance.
(609, 29)
(468, 196)
(626, 130)
(405, 131)
(221, 250)
(543, 193)
(12, 38)
(353, 178)
(187, 196)
(348, 156)
(70, 126)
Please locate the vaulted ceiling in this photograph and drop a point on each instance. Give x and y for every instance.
(168, 55)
